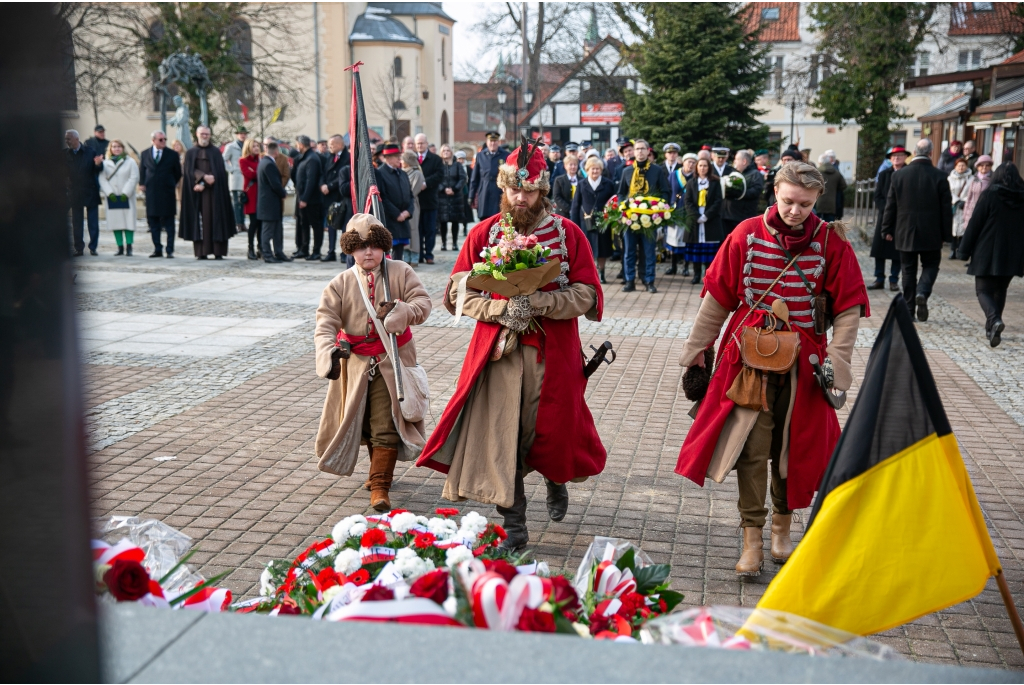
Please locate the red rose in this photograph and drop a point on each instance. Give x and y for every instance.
(127, 580)
(502, 568)
(378, 593)
(598, 623)
(396, 512)
(564, 593)
(360, 577)
(424, 540)
(631, 603)
(329, 578)
(287, 609)
(433, 585)
(536, 621)
(446, 511)
(372, 537)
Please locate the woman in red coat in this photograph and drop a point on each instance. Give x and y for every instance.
(248, 163)
(792, 256)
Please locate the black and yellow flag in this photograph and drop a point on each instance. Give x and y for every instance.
(896, 531)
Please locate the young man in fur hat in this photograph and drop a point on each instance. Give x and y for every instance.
(519, 406)
(361, 406)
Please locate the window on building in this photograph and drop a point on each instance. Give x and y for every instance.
(443, 74)
(398, 66)
(968, 59)
(484, 115)
(922, 62)
(774, 67)
(983, 7)
(770, 14)
(444, 126)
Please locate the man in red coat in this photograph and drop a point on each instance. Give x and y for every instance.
(519, 406)
(774, 263)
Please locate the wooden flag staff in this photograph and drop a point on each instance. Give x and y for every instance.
(1011, 609)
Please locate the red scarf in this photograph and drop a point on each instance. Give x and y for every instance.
(793, 239)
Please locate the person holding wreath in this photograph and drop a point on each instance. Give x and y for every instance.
(784, 277)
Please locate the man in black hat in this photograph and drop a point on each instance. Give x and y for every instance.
(99, 141)
(484, 193)
(626, 154)
(720, 161)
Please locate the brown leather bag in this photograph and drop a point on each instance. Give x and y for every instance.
(763, 351)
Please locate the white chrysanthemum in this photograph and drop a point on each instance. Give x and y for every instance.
(401, 523)
(457, 555)
(357, 530)
(422, 520)
(348, 561)
(267, 586)
(643, 205)
(343, 529)
(442, 528)
(645, 220)
(410, 565)
(472, 525)
(656, 219)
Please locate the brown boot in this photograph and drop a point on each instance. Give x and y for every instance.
(382, 470)
(752, 559)
(782, 545)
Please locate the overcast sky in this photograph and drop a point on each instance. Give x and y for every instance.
(469, 46)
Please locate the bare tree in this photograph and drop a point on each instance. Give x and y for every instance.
(389, 95)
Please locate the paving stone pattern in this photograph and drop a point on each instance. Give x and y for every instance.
(239, 416)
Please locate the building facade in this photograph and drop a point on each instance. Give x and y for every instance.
(406, 50)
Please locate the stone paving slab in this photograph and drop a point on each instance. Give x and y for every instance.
(241, 427)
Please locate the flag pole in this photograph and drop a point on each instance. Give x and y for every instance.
(1011, 608)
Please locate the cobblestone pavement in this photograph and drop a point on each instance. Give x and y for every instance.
(202, 405)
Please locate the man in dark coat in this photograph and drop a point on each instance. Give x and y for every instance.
(882, 249)
(918, 217)
(269, 209)
(159, 173)
(308, 173)
(742, 208)
(337, 190)
(484, 193)
(84, 165)
(207, 217)
(433, 171)
(396, 197)
(99, 141)
(653, 184)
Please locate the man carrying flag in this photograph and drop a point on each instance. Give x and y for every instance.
(896, 531)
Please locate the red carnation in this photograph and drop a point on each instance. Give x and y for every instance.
(433, 585)
(662, 606)
(500, 532)
(447, 511)
(372, 537)
(564, 593)
(396, 512)
(127, 580)
(424, 540)
(329, 578)
(536, 621)
(631, 603)
(360, 577)
(502, 568)
(378, 593)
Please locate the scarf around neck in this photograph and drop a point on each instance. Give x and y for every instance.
(638, 186)
(794, 238)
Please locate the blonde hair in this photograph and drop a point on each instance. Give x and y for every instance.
(807, 176)
(593, 160)
(248, 145)
(571, 158)
(110, 148)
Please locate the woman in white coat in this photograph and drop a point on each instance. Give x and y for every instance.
(118, 180)
(959, 186)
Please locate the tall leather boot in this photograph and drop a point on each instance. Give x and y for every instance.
(558, 500)
(515, 519)
(128, 250)
(671, 271)
(382, 470)
(782, 544)
(752, 558)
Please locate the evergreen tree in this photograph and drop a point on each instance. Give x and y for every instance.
(872, 45)
(701, 72)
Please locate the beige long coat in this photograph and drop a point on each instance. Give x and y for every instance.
(342, 308)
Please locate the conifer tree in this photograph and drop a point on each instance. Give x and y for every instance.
(701, 73)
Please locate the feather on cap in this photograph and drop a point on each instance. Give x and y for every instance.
(525, 168)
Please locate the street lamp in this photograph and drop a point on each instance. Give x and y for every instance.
(502, 97)
(528, 100)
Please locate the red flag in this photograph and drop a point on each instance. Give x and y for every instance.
(245, 110)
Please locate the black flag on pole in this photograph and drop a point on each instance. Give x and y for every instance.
(363, 177)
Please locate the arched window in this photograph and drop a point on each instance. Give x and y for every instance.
(69, 90)
(398, 67)
(444, 126)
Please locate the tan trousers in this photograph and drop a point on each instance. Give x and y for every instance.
(378, 425)
(764, 445)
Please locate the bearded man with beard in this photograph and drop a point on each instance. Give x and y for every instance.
(519, 405)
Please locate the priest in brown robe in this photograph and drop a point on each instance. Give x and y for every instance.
(207, 218)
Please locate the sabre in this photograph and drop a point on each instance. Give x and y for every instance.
(600, 355)
(836, 400)
(378, 212)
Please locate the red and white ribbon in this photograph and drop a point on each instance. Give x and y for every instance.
(102, 553)
(414, 610)
(370, 555)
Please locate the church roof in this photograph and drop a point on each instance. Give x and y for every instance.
(375, 26)
(410, 9)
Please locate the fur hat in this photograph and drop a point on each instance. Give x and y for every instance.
(363, 230)
(525, 168)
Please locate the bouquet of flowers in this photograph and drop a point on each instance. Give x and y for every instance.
(646, 214)
(734, 185)
(147, 565)
(517, 265)
(611, 217)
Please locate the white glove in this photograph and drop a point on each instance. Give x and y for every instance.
(702, 219)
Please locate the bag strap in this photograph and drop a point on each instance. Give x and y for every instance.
(767, 290)
(796, 265)
(377, 325)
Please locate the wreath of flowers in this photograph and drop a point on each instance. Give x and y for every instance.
(642, 214)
